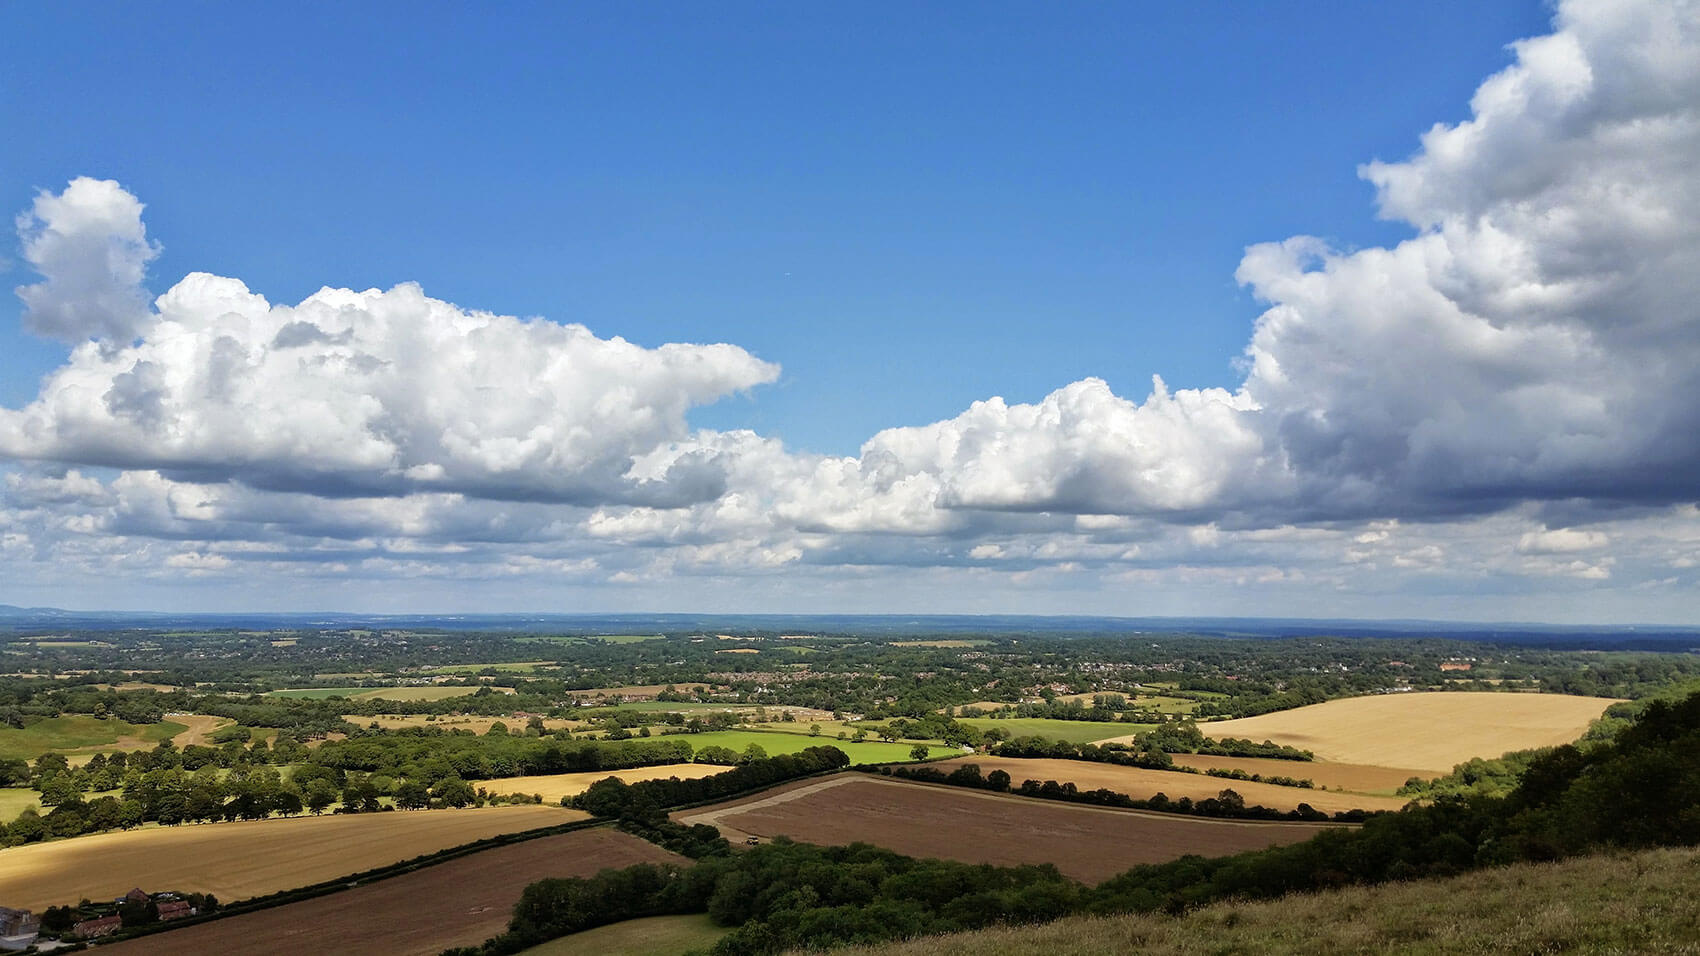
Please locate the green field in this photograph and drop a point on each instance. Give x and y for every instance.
(654, 936)
(13, 800)
(1164, 705)
(79, 732)
(1073, 731)
(625, 638)
(782, 743)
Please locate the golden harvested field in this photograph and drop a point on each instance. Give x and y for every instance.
(1087, 843)
(1362, 778)
(555, 786)
(1432, 732)
(459, 903)
(1142, 784)
(240, 860)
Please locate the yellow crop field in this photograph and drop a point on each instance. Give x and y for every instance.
(241, 860)
(1430, 731)
(1143, 784)
(555, 786)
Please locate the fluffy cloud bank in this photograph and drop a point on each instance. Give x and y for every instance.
(367, 393)
(1517, 386)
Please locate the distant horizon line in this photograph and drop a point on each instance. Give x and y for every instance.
(883, 615)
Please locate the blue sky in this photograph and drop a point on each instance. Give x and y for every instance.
(1413, 293)
(909, 209)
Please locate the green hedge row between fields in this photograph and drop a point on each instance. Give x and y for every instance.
(1228, 803)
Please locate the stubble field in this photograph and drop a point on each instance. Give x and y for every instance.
(240, 860)
(1428, 731)
(459, 903)
(1142, 784)
(553, 787)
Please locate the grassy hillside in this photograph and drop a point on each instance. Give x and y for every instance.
(1641, 902)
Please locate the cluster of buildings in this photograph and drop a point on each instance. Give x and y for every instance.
(18, 928)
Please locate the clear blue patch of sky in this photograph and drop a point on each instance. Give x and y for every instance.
(910, 207)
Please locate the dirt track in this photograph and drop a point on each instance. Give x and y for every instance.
(974, 826)
(459, 903)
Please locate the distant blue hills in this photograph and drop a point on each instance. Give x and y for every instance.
(24, 619)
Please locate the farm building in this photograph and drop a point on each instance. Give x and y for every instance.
(18, 928)
(175, 909)
(98, 927)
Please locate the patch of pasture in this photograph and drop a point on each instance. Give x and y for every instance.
(652, 936)
(14, 800)
(74, 733)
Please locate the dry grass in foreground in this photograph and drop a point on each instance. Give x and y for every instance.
(1637, 903)
(239, 860)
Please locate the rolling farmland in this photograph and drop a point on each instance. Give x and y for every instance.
(1142, 784)
(240, 860)
(1361, 778)
(1429, 731)
(458, 903)
(1087, 843)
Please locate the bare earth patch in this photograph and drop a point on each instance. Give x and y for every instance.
(1143, 784)
(459, 903)
(201, 728)
(240, 860)
(1086, 843)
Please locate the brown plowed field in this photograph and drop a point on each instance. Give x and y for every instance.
(1323, 773)
(1086, 843)
(1142, 784)
(459, 903)
(240, 860)
(555, 786)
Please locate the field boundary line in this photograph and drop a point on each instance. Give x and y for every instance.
(364, 877)
(715, 817)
